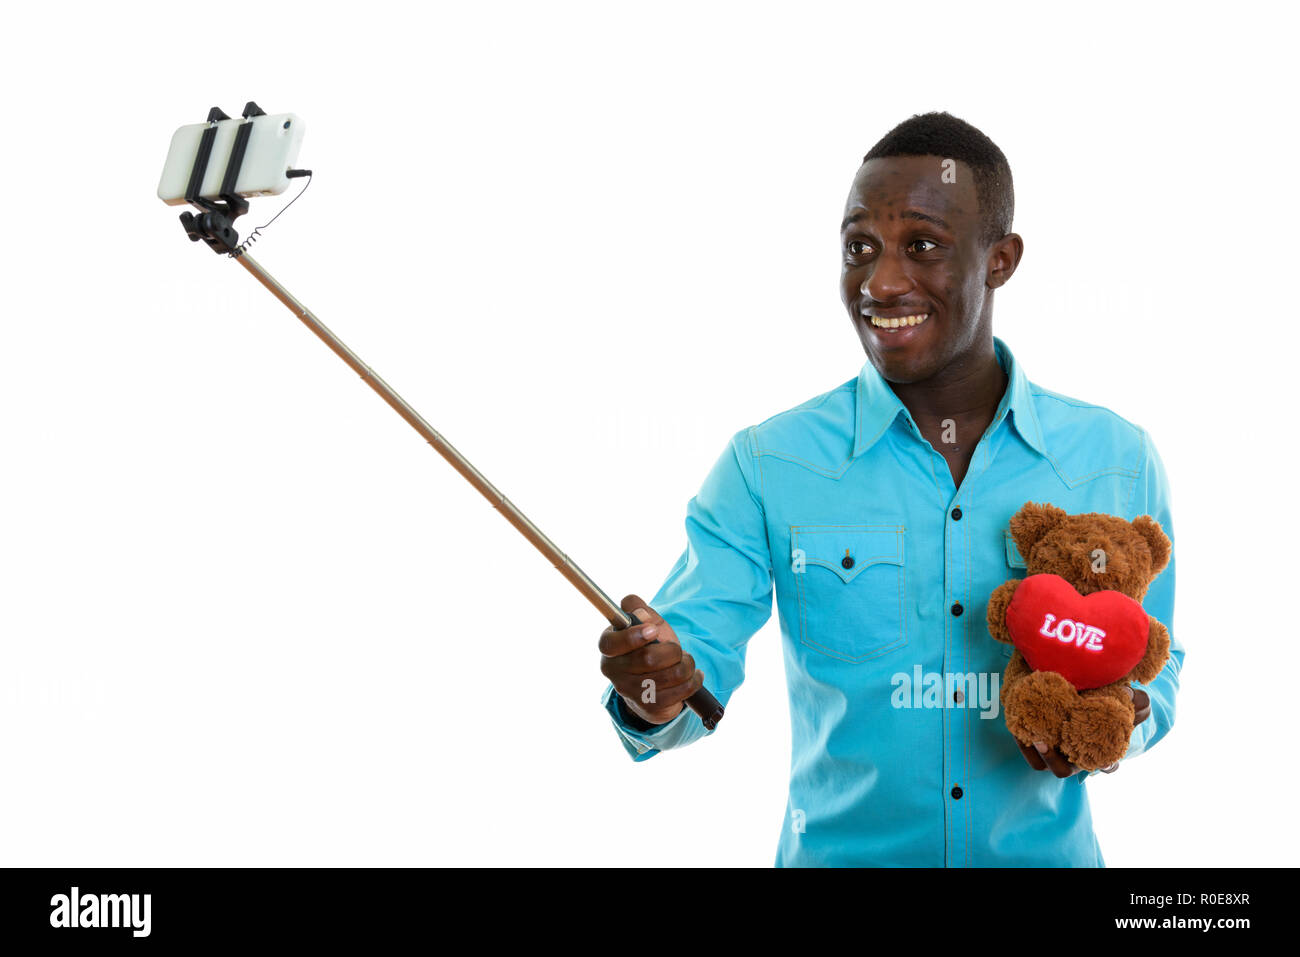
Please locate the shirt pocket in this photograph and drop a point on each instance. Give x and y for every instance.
(1015, 563)
(849, 581)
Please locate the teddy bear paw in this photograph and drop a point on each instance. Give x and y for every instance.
(1036, 707)
(1096, 732)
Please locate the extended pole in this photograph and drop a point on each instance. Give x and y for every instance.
(702, 702)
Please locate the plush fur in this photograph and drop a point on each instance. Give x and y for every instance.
(1091, 728)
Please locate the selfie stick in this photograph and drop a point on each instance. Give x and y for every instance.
(214, 227)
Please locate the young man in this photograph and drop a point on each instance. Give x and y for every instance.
(878, 513)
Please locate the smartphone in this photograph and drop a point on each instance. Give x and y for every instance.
(272, 150)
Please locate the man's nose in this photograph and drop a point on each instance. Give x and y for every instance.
(887, 279)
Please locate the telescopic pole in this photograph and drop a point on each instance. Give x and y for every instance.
(702, 702)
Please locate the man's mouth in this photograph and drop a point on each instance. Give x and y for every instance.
(893, 324)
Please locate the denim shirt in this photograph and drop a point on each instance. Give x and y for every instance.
(882, 570)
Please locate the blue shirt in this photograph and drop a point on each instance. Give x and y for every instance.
(888, 767)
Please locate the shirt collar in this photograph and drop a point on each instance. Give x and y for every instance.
(878, 406)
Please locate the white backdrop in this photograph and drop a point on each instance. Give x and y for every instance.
(250, 618)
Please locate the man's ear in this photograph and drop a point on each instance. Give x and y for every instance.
(1157, 541)
(1004, 257)
(1032, 522)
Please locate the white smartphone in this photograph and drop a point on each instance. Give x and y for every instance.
(272, 150)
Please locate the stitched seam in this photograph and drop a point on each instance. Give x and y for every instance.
(1142, 457)
(965, 716)
(877, 437)
(757, 464)
(859, 565)
(929, 458)
(841, 656)
(795, 460)
(891, 528)
(1038, 390)
(947, 758)
(1080, 479)
(821, 400)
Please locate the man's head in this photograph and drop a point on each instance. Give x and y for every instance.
(927, 233)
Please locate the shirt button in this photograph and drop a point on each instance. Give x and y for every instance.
(847, 561)
(956, 608)
(957, 696)
(956, 514)
(956, 792)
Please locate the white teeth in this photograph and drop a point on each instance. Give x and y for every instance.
(899, 322)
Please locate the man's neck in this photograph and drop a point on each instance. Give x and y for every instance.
(967, 391)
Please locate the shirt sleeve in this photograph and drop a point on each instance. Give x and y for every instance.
(718, 594)
(1151, 497)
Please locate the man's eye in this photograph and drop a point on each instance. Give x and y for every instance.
(926, 242)
(856, 251)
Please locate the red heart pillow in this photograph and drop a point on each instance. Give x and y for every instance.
(1089, 640)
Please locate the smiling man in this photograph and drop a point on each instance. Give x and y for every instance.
(878, 514)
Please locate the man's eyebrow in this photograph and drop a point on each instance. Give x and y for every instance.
(916, 214)
(905, 214)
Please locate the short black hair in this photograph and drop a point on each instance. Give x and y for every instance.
(942, 134)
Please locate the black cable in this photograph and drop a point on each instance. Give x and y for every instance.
(252, 237)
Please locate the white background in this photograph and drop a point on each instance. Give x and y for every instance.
(250, 618)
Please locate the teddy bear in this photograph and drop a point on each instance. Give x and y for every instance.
(1080, 633)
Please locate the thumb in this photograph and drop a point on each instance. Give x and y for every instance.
(635, 605)
(648, 616)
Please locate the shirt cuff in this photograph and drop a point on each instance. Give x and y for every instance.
(641, 745)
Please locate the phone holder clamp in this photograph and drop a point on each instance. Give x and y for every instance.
(214, 225)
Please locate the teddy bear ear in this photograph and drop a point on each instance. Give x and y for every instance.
(1157, 541)
(1032, 522)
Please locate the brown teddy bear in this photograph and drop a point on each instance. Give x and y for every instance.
(1079, 630)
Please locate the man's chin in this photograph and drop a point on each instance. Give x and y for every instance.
(900, 366)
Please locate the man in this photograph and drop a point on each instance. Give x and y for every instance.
(878, 513)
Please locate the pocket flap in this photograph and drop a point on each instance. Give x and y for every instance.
(1013, 553)
(846, 549)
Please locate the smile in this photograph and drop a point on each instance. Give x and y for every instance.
(898, 323)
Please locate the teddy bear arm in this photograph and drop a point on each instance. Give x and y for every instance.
(997, 611)
(1157, 654)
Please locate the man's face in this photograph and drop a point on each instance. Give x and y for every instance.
(912, 246)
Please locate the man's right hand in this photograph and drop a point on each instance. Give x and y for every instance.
(646, 665)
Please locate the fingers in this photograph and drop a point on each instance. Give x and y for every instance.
(658, 660)
(663, 670)
(1032, 757)
(650, 627)
(1056, 762)
(1042, 758)
(654, 701)
(1141, 705)
(615, 642)
(658, 698)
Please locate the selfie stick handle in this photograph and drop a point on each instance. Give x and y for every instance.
(702, 702)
